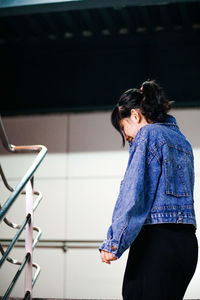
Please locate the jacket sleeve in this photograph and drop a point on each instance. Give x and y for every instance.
(136, 196)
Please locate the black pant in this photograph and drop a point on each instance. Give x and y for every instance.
(161, 262)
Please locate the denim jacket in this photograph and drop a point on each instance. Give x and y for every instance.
(157, 186)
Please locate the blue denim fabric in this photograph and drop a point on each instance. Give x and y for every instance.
(157, 186)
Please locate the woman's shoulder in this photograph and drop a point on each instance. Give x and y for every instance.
(149, 133)
(157, 134)
(148, 139)
(158, 130)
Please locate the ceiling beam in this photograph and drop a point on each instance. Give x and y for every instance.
(70, 23)
(185, 16)
(147, 20)
(19, 7)
(108, 21)
(130, 23)
(88, 20)
(165, 17)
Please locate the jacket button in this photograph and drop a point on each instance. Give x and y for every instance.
(113, 248)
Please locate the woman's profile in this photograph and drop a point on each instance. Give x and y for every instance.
(154, 213)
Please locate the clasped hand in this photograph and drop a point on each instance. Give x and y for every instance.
(107, 257)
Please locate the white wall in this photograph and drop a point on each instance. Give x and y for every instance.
(79, 179)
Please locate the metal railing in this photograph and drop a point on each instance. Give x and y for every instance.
(63, 245)
(27, 183)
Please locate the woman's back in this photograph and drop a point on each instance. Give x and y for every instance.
(173, 202)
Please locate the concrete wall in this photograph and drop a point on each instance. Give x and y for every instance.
(79, 179)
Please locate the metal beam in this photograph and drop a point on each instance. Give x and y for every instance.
(147, 20)
(88, 20)
(17, 27)
(36, 28)
(185, 16)
(165, 17)
(3, 30)
(108, 20)
(50, 24)
(71, 24)
(130, 23)
(19, 7)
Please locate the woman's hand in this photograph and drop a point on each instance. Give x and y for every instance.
(107, 257)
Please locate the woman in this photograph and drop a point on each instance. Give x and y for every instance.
(154, 213)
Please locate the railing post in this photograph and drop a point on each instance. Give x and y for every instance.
(29, 238)
(28, 222)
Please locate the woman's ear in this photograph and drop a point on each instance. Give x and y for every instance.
(135, 115)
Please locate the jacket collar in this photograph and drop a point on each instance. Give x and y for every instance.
(170, 121)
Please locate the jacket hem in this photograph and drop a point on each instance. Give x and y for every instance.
(171, 220)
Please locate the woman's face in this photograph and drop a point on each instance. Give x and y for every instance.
(132, 124)
(129, 128)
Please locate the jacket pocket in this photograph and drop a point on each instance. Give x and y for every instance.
(175, 183)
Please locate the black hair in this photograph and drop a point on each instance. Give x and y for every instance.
(150, 99)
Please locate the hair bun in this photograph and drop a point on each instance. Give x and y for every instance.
(150, 90)
(154, 104)
(153, 93)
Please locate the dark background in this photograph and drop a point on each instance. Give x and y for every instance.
(43, 71)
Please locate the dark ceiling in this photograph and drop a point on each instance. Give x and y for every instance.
(55, 22)
(81, 55)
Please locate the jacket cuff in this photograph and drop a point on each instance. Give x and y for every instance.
(112, 247)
